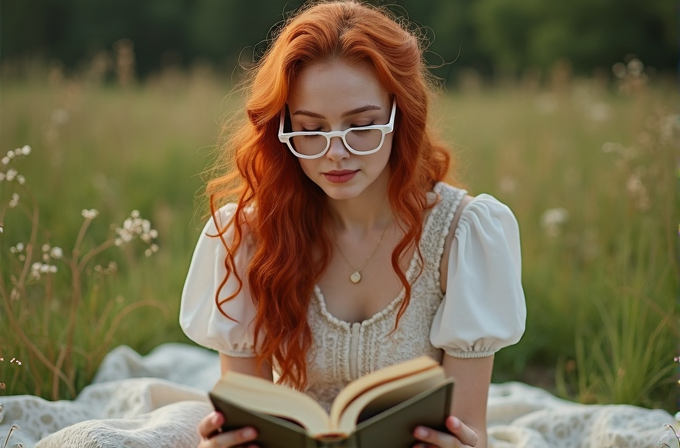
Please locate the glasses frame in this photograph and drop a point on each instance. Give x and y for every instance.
(284, 137)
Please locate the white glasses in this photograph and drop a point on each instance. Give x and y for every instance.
(360, 141)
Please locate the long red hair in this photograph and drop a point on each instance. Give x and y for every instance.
(289, 212)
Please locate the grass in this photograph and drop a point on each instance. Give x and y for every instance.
(589, 171)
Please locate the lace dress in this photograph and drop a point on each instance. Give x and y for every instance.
(482, 311)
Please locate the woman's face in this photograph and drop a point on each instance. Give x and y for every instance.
(333, 96)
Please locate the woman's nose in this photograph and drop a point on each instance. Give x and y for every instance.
(337, 150)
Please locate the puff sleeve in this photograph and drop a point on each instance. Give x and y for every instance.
(484, 308)
(199, 316)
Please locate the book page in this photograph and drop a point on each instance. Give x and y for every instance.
(263, 396)
(373, 379)
(385, 396)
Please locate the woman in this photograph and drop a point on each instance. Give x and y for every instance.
(343, 251)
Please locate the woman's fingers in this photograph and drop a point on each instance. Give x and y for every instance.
(209, 426)
(462, 432)
(232, 438)
(462, 436)
(436, 439)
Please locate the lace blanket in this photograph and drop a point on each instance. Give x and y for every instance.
(157, 400)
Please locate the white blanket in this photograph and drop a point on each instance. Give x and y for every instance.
(157, 400)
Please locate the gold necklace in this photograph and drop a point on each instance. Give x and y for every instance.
(356, 275)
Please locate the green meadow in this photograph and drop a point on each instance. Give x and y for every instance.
(589, 166)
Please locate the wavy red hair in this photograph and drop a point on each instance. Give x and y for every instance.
(289, 214)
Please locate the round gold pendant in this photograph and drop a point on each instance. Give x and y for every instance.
(355, 277)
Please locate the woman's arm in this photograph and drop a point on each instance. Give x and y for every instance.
(209, 426)
(245, 365)
(467, 422)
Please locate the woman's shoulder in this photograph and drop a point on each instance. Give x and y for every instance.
(222, 217)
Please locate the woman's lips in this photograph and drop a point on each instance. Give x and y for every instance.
(339, 177)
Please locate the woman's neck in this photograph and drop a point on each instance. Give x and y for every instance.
(363, 214)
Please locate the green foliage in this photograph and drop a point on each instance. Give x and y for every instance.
(588, 33)
(486, 35)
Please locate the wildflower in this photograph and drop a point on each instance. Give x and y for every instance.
(15, 200)
(20, 247)
(134, 227)
(11, 174)
(21, 179)
(56, 252)
(37, 269)
(5, 160)
(26, 150)
(552, 219)
(89, 214)
(10, 154)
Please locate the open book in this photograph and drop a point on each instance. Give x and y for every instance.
(378, 409)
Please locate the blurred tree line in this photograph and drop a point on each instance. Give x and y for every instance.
(492, 37)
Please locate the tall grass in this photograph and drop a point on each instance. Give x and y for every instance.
(588, 167)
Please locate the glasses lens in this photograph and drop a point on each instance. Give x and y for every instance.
(360, 140)
(309, 145)
(364, 139)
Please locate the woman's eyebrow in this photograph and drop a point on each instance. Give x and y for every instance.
(358, 110)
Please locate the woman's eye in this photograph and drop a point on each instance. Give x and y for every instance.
(361, 125)
(311, 130)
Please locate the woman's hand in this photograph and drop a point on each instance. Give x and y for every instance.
(210, 424)
(462, 436)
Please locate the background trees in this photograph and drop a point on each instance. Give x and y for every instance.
(491, 36)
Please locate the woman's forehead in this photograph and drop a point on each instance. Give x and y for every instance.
(337, 83)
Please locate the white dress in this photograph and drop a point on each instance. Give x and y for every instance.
(482, 311)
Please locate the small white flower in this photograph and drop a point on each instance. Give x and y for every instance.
(2, 176)
(46, 247)
(5, 160)
(89, 214)
(44, 269)
(11, 174)
(135, 213)
(53, 269)
(20, 247)
(15, 200)
(46, 257)
(56, 252)
(26, 150)
(148, 252)
(21, 179)
(118, 242)
(36, 266)
(10, 154)
(153, 233)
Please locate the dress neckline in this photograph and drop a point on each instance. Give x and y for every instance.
(410, 272)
